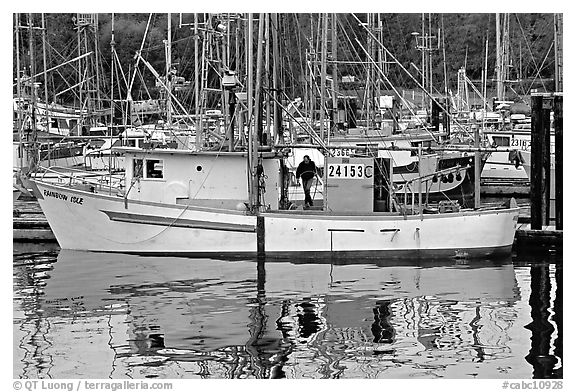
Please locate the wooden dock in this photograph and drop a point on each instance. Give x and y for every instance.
(504, 188)
(548, 236)
(29, 223)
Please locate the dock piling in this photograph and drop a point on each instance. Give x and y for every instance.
(558, 146)
(540, 161)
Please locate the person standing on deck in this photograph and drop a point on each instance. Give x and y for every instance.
(307, 170)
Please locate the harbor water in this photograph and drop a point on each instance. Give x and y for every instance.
(100, 315)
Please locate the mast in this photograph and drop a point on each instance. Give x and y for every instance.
(252, 154)
(112, 62)
(47, 113)
(278, 135)
(276, 77)
(79, 72)
(334, 71)
(32, 158)
(368, 90)
(226, 93)
(485, 87)
(323, 74)
(558, 52)
(267, 86)
(502, 54)
(258, 89)
(198, 140)
(169, 72)
(19, 93)
(444, 57)
(429, 46)
(97, 63)
(424, 67)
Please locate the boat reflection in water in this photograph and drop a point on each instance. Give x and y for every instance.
(99, 315)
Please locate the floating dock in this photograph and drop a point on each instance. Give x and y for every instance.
(29, 223)
(504, 188)
(548, 236)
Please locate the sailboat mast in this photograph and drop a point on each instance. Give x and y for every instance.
(499, 83)
(47, 113)
(112, 62)
(32, 158)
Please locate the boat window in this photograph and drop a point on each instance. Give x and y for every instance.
(154, 168)
(131, 143)
(137, 168)
(501, 141)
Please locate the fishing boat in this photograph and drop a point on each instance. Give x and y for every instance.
(184, 202)
(233, 200)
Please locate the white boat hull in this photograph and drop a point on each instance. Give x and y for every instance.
(499, 167)
(111, 224)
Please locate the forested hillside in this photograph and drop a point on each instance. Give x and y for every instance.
(462, 44)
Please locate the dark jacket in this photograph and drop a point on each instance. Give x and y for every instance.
(306, 170)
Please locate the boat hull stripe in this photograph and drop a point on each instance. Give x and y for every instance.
(177, 222)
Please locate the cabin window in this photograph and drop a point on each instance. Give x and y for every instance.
(131, 143)
(54, 123)
(137, 168)
(501, 141)
(154, 168)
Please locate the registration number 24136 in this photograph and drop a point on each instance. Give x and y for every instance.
(346, 170)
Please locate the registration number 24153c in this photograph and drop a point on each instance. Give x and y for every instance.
(346, 170)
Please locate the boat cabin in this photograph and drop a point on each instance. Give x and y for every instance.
(204, 179)
(220, 180)
(357, 185)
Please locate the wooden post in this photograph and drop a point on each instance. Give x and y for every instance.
(536, 142)
(558, 131)
(540, 162)
(547, 105)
